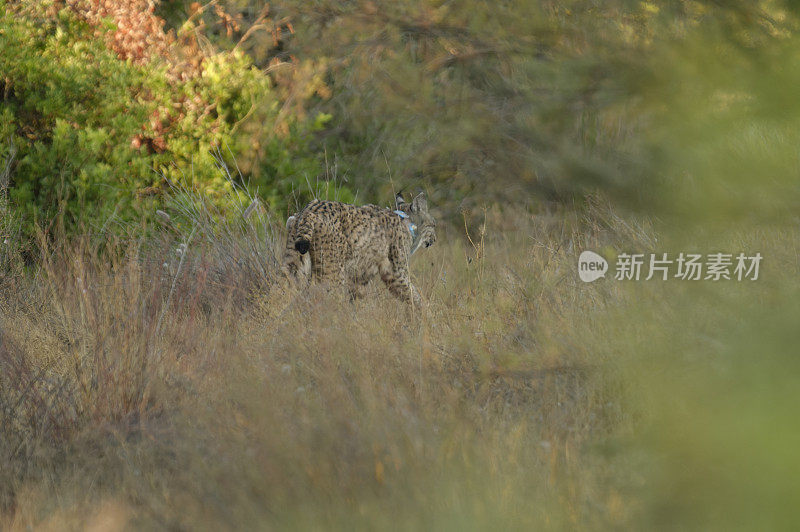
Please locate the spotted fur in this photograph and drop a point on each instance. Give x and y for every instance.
(351, 245)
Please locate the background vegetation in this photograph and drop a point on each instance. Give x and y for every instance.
(154, 373)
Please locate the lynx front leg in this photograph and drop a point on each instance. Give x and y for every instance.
(395, 275)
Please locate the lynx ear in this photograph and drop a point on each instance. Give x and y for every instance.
(419, 203)
(398, 201)
(290, 222)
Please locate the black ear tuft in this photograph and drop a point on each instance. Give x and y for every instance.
(302, 245)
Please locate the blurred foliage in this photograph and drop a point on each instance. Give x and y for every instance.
(503, 100)
(722, 133)
(522, 100)
(713, 375)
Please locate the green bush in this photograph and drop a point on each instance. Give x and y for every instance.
(100, 135)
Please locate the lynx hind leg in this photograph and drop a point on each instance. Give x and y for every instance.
(296, 267)
(395, 276)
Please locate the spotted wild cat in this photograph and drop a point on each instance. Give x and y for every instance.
(346, 244)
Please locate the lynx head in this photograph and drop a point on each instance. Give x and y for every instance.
(418, 216)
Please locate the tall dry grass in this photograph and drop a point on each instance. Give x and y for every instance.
(169, 381)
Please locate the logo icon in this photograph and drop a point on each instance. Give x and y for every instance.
(591, 266)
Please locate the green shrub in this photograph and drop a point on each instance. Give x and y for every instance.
(102, 129)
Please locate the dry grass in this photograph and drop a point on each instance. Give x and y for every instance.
(154, 389)
(144, 388)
